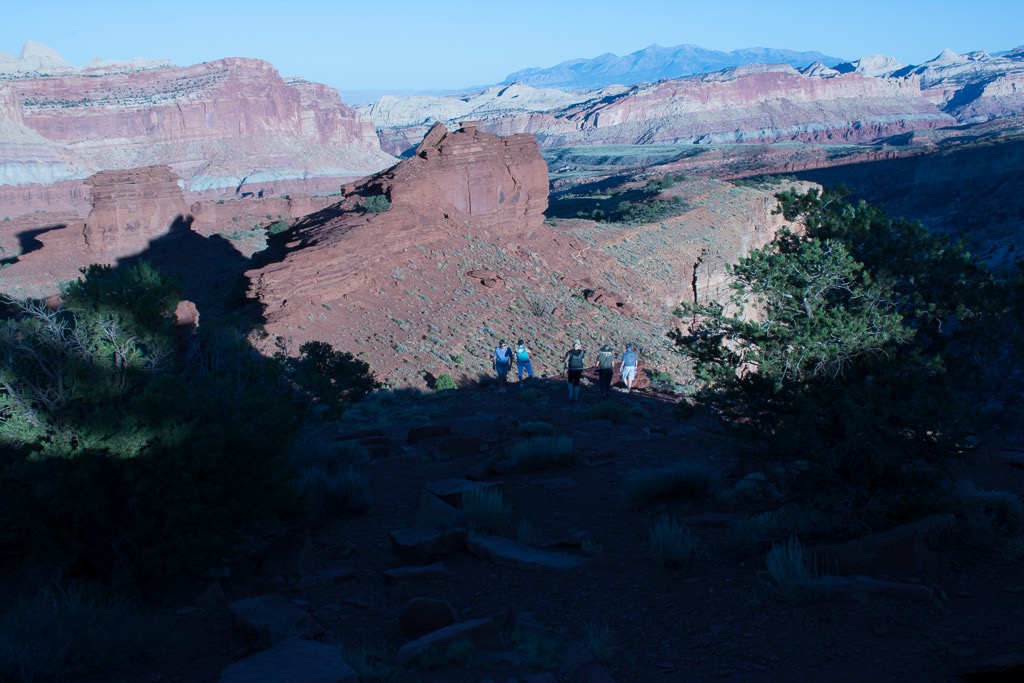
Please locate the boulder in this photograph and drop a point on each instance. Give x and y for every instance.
(293, 660)
(424, 615)
(481, 632)
(272, 619)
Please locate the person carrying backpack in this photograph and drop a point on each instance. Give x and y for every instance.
(605, 369)
(502, 363)
(573, 364)
(628, 370)
(523, 363)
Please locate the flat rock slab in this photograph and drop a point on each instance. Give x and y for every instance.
(292, 661)
(867, 586)
(907, 549)
(418, 545)
(451, 490)
(434, 513)
(274, 619)
(505, 551)
(481, 632)
(326, 577)
(430, 572)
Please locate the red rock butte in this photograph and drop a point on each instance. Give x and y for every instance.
(458, 184)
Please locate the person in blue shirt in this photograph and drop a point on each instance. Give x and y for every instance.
(523, 363)
(502, 363)
(628, 370)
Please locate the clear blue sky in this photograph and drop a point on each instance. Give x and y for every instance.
(417, 44)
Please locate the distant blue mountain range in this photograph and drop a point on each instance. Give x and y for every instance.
(655, 63)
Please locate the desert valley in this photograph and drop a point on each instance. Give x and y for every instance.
(250, 428)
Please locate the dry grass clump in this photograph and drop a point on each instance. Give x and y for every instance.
(673, 544)
(538, 453)
(485, 509)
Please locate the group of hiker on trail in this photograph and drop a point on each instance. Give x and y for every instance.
(572, 363)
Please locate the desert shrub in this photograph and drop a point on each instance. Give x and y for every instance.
(842, 345)
(332, 378)
(538, 453)
(531, 395)
(988, 518)
(60, 633)
(673, 544)
(278, 227)
(332, 490)
(530, 429)
(485, 509)
(611, 411)
(158, 456)
(685, 479)
(377, 203)
(537, 649)
(760, 531)
(444, 382)
(791, 570)
(597, 636)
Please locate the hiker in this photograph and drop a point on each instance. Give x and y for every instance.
(628, 369)
(502, 363)
(573, 364)
(605, 365)
(523, 363)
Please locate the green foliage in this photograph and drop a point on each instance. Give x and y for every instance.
(333, 378)
(278, 227)
(460, 650)
(377, 203)
(445, 382)
(485, 509)
(373, 664)
(329, 475)
(673, 544)
(129, 453)
(60, 633)
(537, 649)
(537, 453)
(836, 345)
(685, 479)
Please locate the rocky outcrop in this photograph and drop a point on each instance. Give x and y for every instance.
(221, 123)
(130, 209)
(460, 183)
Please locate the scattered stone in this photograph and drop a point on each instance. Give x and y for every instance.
(212, 596)
(557, 483)
(505, 551)
(418, 434)
(424, 615)
(574, 541)
(430, 572)
(481, 632)
(460, 446)
(273, 619)
(867, 586)
(417, 545)
(579, 664)
(326, 576)
(293, 660)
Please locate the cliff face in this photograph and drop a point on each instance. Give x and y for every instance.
(868, 101)
(222, 123)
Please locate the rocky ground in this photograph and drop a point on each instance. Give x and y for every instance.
(594, 605)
